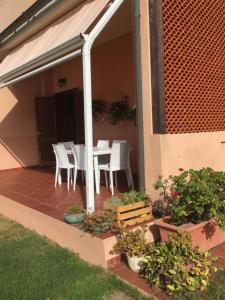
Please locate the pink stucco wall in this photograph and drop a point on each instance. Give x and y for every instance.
(18, 135)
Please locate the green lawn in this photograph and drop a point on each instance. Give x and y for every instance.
(31, 267)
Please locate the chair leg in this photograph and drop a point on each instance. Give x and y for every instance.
(84, 172)
(71, 176)
(68, 179)
(131, 178)
(111, 181)
(74, 178)
(116, 179)
(128, 178)
(56, 176)
(99, 177)
(59, 176)
(106, 179)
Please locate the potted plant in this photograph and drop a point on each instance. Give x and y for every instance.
(130, 208)
(98, 109)
(134, 245)
(120, 112)
(178, 268)
(99, 221)
(74, 215)
(197, 205)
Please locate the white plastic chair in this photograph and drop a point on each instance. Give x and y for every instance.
(103, 159)
(119, 160)
(115, 173)
(67, 145)
(103, 143)
(79, 159)
(62, 162)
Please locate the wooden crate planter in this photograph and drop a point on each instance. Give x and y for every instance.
(130, 214)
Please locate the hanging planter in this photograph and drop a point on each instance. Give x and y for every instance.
(99, 110)
(120, 112)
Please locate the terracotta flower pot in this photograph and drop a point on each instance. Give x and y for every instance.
(135, 263)
(206, 234)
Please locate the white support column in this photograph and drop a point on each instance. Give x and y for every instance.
(88, 127)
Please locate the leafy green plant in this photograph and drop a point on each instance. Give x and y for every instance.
(120, 111)
(99, 221)
(132, 243)
(98, 108)
(177, 267)
(195, 196)
(133, 197)
(75, 210)
(129, 198)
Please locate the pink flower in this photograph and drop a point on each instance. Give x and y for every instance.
(175, 195)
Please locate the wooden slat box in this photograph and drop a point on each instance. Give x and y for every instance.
(130, 214)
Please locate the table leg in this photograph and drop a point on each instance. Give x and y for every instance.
(97, 179)
(59, 177)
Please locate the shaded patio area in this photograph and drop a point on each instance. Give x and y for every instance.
(34, 188)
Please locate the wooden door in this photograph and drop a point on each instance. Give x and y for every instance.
(46, 128)
(65, 116)
(79, 116)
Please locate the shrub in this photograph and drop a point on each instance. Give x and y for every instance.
(99, 221)
(177, 267)
(195, 196)
(132, 243)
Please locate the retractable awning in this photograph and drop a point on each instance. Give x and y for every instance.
(53, 42)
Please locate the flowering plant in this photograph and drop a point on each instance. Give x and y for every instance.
(194, 196)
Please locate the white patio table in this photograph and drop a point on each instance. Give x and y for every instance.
(97, 151)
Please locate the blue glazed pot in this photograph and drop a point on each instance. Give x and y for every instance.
(73, 218)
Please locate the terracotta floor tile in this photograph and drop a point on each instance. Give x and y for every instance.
(125, 273)
(143, 285)
(35, 186)
(57, 214)
(162, 296)
(219, 251)
(220, 263)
